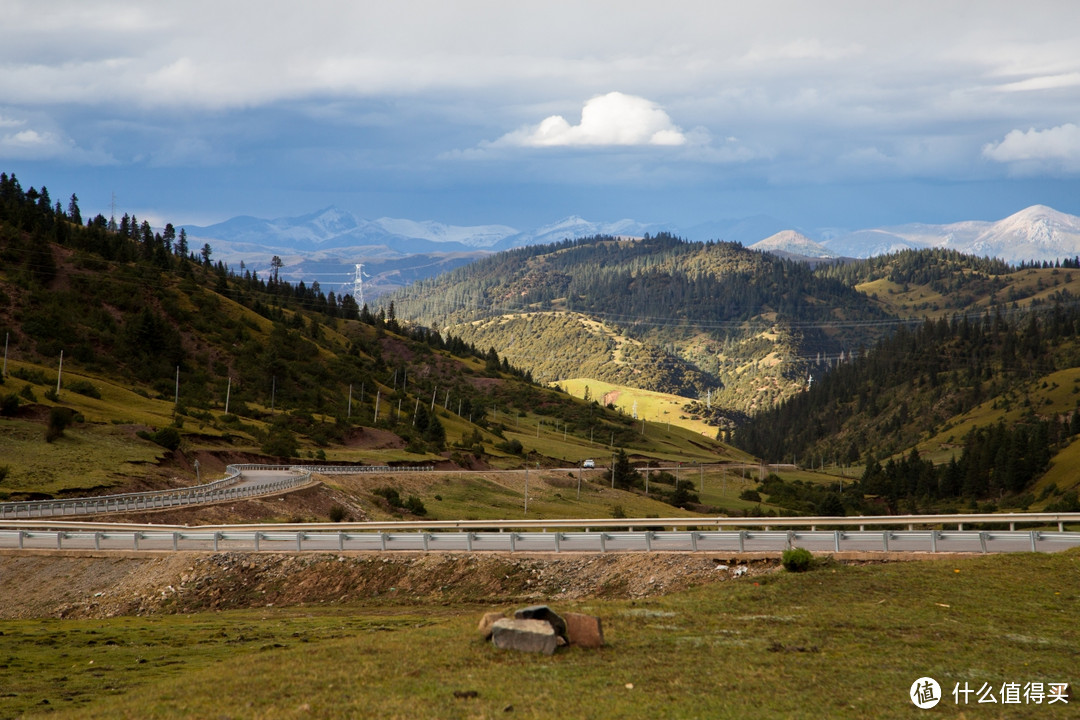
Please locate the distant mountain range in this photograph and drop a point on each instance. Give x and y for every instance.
(1035, 233)
(327, 244)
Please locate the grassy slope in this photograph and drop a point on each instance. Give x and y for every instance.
(653, 406)
(839, 641)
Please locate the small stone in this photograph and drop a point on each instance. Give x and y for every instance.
(524, 635)
(585, 631)
(543, 612)
(489, 618)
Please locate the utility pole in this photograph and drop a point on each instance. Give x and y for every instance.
(6, 336)
(378, 396)
(228, 393)
(59, 372)
(176, 395)
(273, 392)
(526, 487)
(350, 401)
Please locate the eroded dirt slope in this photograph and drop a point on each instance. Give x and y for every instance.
(104, 585)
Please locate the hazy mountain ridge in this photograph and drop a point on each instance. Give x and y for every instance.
(332, 234)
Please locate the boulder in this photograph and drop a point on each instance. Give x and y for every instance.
(584, 630)
(484, 628)
(524, 635)
(543, 612)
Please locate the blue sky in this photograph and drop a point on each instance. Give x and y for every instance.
(826, 113)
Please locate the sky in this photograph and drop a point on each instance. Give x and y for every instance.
(819, 114)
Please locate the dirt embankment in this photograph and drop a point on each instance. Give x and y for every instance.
(105, 585)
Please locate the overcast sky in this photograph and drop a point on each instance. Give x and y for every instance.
(824, 113)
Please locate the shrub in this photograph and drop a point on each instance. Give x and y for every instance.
(797, 559)
(337, 513)
(391, 496)
(9, 404)
(415, 506)
(59, 419)
(280, 442)
(512, 446)
(84, 388)
(4, 470)
(750, 495)
(168, 438)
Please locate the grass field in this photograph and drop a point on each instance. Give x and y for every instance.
(657, 408)
(838, 641)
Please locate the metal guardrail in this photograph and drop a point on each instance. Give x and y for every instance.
(219, 490)
(742, 541)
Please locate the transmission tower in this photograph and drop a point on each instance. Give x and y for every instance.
(358, 284)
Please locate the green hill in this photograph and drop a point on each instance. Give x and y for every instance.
(693, 319)
(168, 356)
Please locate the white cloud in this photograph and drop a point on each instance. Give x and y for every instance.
(612, 119)
(1057, 146)
(39, 139)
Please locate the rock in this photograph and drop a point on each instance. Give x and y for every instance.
(484, 628)
(584, 630)
(543, 612)
(524, 635)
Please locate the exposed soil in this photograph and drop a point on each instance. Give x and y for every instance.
(74, 584)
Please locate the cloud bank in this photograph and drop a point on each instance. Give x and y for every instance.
(1054, 146)
(614, 119)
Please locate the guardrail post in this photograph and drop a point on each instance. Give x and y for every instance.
(425, 537)
(22, 534)
(258, 536)
(982, 539)
(299, 540)
(1034, 540)
(693, 540)
(217, 536)
(382, 541)
(341, 541)
(135, 540)
(1061, 526)
(742, 541)
(885, 540)
(790, 538)
(468, 541)
(648, 541)
(960, 527)
(836, 540)
(59, 538)
(97, 541)
(933, 540)
(513, 541)
(175, 541)
(557, 539)
(603, 541)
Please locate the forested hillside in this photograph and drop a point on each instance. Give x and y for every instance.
(244, 361)
(989, 399)
(661, 313)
